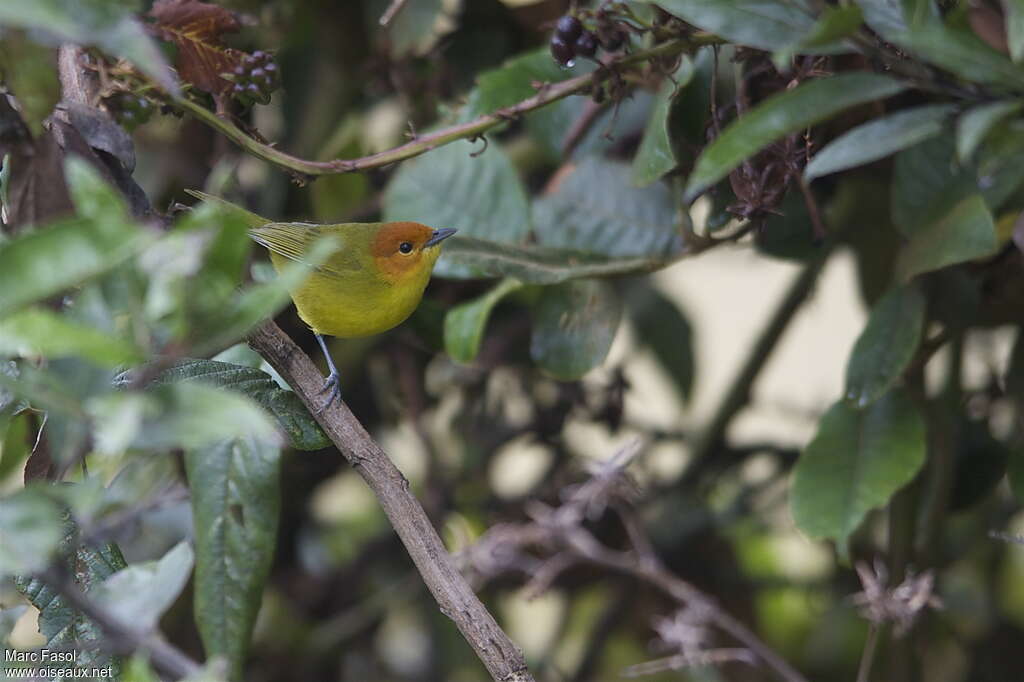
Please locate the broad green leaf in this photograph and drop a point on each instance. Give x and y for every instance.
(40, 264)
(884, 16)
(928, 181)
(464, 324)
(781, 114)
(140, 594)
(186, 415)
(514, 81)
(480, 196)
(857, 460)
(293, 418)
(655, 156)
(918, 28)
(1014, 16)
(30, 531)
(961, 52)
(974, 124)
(40, 331)
(966, 232)
(574, 325)
(878, 139)
(235, 507)
(416, 29)
(763, 24)
(887, 344)
(595, 209)
(478, 258)
(833, 24)
(664, 328)
(108, 24)
(64, 627)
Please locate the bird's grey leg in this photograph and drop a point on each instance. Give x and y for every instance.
(332, 386)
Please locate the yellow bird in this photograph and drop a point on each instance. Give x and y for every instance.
(371, 283)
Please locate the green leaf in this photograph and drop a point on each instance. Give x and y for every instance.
(966, 232)
(857, 460)
(975, 124)
(416, 29)
(187, 415)
(30, 531)
(764, 24)
(480, 196)
(140, 594)
(64, 628)
(464, 324)
(664, 328)
(884, 16)
(655, 157)
(293, 418)
(40, 331)
(833, 24)
(878, 139)
(887, 344)
(108, 24)
(961, 52)
(781, 114)
(40, 264)
(478, 258)
(928, 181)
(514, 81)
(260, 302)
(954, 48)
(235, 507)
(574, 325)
(596, 210)
(1014, 16)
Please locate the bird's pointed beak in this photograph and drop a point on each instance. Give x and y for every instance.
(440, 235)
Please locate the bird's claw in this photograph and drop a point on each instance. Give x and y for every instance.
(332, 386)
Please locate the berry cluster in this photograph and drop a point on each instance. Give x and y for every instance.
(256, 78)
(129, 109)
(571, 40)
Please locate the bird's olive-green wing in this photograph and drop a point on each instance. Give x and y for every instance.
(294, 240)
(249, 218)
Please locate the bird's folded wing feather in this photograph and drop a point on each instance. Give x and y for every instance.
(294, 240)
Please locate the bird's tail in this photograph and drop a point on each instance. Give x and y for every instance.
(251, 219)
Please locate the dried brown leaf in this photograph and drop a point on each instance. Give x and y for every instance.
(197, 30)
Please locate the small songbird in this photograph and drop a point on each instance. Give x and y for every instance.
(369, 284)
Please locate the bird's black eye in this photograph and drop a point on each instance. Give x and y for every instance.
(405, 247)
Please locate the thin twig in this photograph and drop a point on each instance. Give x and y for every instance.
(546, 94)
(394, 8)
(453, 594)
(867, 659)
(120, 637)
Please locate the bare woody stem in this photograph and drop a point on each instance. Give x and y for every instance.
(456, 599)
(546, 94)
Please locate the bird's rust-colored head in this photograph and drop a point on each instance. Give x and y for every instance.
(404, 249)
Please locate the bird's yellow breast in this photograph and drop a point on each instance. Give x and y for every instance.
(355, 306)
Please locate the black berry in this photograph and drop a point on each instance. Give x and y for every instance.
(568, 28)
(562, 51)
(586, 44)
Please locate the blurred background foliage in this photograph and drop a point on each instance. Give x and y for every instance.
(863, 330)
